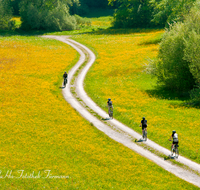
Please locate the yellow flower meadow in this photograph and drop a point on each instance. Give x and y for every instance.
(46, 144)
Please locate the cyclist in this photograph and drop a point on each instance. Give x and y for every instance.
(109, 105)
(175, 139)
(143, 124)
(65, 75)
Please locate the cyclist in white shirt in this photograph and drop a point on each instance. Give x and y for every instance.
(175, 138)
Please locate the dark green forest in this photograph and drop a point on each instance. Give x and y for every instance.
(62, 14)
(177, 66)
(51, 15)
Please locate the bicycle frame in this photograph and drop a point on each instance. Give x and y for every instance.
(144, 133)
(110, 112)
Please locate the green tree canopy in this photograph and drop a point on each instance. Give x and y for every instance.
(178, 64)
(132, 13)
(145, 13)
(168, 11)
(46, 14)
(5, 15)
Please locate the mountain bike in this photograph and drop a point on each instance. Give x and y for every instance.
(175, 150)
(110, 111)
(65, 82)
(144, 134)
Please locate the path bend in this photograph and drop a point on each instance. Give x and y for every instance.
(123, 134)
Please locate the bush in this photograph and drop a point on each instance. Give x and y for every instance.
(178, 63)
(5, 16)
(172, 70)
(192, 43)
(82, 21)
(58, 18)
(195, 95)
(133, 14)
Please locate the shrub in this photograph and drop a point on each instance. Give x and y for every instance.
(170, 68)
(178, 64)
(82, 21)
(5, 16)
(133, 14)
(46, 18)
(195, 95)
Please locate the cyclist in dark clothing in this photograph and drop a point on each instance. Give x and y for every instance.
(143, 124)
(109, 105)
(65, 75)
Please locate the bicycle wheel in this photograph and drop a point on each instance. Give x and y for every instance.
(111, 114)
(172, 151)
(145, 135)
(176, 153)
(64, 83)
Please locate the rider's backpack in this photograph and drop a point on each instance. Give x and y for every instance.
(110, 103)
(144, 123)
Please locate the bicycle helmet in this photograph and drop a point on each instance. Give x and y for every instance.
(173, 131)
(143, 118)
(109, 99)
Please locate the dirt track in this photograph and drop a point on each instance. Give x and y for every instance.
(116, 130)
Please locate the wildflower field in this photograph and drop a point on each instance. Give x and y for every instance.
(120, 73)
(46, 144)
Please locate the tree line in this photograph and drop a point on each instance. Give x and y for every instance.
(47, 14)
(62, 14)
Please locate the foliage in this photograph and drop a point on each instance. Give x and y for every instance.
(171, 69)
(192, 42)
(15, 6)
(95, 4)
(133, 14)
(82, 21)
(178, 64)
(5, 16)
(168, 11)
(195, 95)
(46, 15)
(137, 13)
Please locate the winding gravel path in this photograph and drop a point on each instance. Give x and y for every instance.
(117, 131)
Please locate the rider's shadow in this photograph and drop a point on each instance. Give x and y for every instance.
(172, 157)
(140, 140)
(61, 87)
(106, 119)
